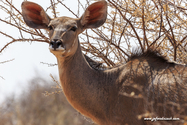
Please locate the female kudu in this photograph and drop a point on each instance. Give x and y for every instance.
(116, 96)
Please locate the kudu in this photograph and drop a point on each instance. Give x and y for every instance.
(123, 95)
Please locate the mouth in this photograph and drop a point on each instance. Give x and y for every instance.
(60, 51)
(60, 48)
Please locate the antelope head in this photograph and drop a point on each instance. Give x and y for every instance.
(64, 31)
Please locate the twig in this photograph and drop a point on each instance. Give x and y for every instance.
(53, 7)
(130, 25)
(22, 40)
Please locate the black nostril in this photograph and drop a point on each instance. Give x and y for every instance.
(59, 43)
(56, 43)
(51, 43)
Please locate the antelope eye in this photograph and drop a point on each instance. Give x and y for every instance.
(50, 27)
(74, 28)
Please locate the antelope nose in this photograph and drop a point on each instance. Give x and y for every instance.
(56, 43)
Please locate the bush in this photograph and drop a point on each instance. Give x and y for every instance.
(33, 107)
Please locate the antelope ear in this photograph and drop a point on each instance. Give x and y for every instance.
(34, 15)
(95, 15)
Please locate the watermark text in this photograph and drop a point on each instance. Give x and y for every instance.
(161, 119)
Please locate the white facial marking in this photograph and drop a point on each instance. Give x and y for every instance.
(74, 42)
(60, 29)
(69, 51)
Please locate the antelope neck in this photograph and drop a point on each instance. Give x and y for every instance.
(84, 86)
(75, 70)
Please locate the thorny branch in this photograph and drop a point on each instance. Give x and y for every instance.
(144, 23)
(151, 23)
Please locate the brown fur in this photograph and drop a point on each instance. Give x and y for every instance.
(123, 95)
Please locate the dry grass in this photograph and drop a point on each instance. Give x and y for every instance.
(33, 107)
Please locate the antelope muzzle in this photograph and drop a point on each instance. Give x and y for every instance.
(56, 44)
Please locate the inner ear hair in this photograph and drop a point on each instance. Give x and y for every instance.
(34, 15)
(95, 15)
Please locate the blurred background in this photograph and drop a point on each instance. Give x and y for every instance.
(29, 90)
(41, 103)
